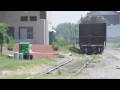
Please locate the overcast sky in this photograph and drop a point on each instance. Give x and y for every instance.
(66, 16)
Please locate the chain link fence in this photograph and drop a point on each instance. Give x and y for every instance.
(113, 42)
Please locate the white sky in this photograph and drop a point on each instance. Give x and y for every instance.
(66, 16)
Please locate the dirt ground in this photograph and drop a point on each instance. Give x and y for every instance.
(108, 67)
(5, 51)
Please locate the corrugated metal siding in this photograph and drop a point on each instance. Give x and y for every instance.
(112, 19)
(113, 31)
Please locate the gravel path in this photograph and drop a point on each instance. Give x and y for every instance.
(107, 68)
(37, 69)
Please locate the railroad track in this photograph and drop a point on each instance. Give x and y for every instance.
(57, 67)
(80, 69)
(67, 62)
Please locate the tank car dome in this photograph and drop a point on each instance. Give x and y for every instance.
(93, 19)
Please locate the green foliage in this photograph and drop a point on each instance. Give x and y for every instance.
(55, 45)
(65, 30)
(63, 42)
(3, 28)
(59, 72)
(59, 43)
(74, 49)
(11, 43)
(1, 38)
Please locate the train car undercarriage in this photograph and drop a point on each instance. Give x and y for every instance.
(91, 49)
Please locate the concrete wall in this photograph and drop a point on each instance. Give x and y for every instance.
(40, 32)
(49, 19)
(47, 32)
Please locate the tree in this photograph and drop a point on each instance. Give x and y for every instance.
(11, 42)
(65, 31)
(3, 28)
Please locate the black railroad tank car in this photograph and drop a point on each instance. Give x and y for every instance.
(92, 35)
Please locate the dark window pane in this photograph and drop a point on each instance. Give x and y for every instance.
(24, 18)
(30, 29)
(33, 18)
(10, 31)
(11, 35)
(29, 36)
(30, 33)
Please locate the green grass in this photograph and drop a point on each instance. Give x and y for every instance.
(11, 64)
(66, 50)
(59, 72)
(58, 75)
(23, 76)
(61, 56)
(81, 63)
(96, 56)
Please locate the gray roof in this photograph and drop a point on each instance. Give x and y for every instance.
(103, 13)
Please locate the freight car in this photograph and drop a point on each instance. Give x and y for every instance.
(92, 34)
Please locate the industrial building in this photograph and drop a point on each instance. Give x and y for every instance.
(113, 17)
(28, 26)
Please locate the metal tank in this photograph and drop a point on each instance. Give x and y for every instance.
(21, 56)
(16, 55)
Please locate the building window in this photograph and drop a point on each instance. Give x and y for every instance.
(33, 18)
(30, 33)
(10, 31)
(24, 18)
(26, 33)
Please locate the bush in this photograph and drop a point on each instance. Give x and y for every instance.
(62, 42)
(55, 46)
(59, 43)
(11, 43)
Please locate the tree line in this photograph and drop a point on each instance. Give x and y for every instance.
(67, 31)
